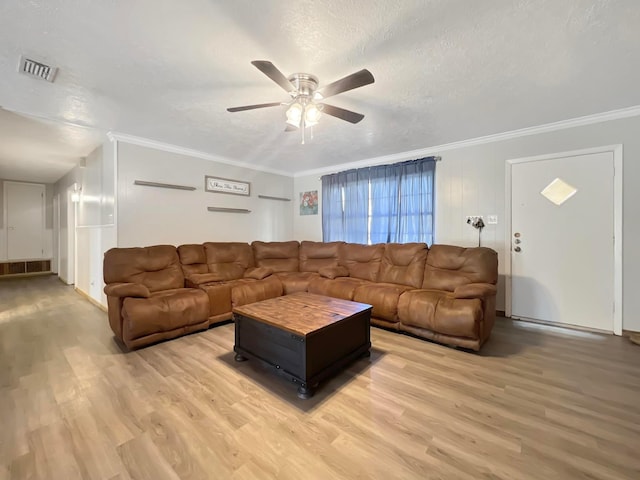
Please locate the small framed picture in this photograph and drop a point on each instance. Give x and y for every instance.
(226, 185)
(309, 203)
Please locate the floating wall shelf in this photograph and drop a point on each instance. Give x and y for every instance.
(163, 185)
(269, 197)
(228, 210)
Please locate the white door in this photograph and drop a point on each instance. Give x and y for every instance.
(25, 220)
(562, 240)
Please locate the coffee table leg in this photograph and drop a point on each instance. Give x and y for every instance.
(240, 358)
(305, 392)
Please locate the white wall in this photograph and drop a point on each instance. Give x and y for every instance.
(96, 230)
(471, 181)
(152, 216)
(60, 187)
(307, 227)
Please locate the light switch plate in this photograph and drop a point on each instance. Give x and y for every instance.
(492, 219)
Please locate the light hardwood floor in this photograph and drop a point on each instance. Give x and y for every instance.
(536, 403)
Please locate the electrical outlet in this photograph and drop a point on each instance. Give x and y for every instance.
(492, 219)
(473, 218)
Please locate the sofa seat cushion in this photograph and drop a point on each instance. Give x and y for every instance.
(219, 294)
(256, 291)
(163, 312)
(293, 282)
(383, 297)
(441, 312)
(342, 287)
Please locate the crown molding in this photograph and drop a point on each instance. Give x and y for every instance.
(167, 147)
(523, 132)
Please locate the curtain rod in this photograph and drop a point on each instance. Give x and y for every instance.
(436, 158)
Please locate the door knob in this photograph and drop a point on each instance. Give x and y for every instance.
(517, 249)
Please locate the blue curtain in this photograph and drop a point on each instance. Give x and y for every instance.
(332, 212)
(415, 202)
(356, 205)
(385, 203)
(345, 206)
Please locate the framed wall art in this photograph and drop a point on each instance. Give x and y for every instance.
(309, 203)
(226, 185)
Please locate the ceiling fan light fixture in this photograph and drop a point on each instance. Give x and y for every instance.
(312, 114)
(294, 114)
(305, 107)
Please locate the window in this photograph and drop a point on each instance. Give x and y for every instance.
(381, 204)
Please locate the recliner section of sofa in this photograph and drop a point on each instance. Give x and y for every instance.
(443, 293)
(456, 301)
(146, 298)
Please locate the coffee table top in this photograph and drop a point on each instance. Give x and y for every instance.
(301, 313)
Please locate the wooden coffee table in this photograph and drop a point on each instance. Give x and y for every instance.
(305, 337)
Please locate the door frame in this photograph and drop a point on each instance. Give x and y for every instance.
(55, 262)
(71, 235)
(617, 151)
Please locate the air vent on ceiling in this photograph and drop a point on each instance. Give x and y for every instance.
(37, 69)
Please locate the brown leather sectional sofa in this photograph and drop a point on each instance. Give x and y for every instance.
(443, 293)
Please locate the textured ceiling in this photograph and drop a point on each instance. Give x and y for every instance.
(37, 150)
(446, 70)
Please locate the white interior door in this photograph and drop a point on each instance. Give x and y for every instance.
(562, 253)
(25, 220)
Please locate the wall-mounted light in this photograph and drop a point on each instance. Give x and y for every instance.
(75, 195)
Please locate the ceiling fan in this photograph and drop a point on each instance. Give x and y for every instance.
(307, 100)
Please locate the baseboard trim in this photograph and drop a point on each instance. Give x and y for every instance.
(567, 326)
(632, 335)
(24, 275)
(90, 299)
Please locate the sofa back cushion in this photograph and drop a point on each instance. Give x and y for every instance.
(157, 267)
(362, 261)
(448, 267)
(278, 256)
(228, 260)
(193, 259)
(316, 255)
(403, 263)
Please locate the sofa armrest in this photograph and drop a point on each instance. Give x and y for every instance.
(195, 279)
(127, 290)
(475, 290)
(333, 272)
(258, 273)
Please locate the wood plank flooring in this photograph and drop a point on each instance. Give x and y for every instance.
(537, 403)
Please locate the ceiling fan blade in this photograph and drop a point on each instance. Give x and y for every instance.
(270, 70)
(342, 114)
(251, 107)
(355, 80)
